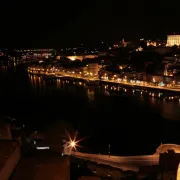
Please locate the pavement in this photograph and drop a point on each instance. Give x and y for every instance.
(44, 165)
(132, 163)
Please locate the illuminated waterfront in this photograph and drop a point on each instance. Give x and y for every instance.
(110, 103)
(89, 76)
(156, 99)
(124, 111)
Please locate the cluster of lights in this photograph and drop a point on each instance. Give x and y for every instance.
(151, 94)
(55, 70)
(73, 143)
(135, 82)
(173, 40)
(105, 77)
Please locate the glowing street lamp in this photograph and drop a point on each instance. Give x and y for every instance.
(73, 144)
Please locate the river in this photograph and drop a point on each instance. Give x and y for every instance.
(130, 124)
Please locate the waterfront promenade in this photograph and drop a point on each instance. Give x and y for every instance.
(138, 84)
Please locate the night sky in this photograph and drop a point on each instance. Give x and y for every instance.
(67, 23)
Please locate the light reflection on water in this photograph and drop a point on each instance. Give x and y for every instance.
(91, 94)
(98, 110)
(39, 84)
(167, 109)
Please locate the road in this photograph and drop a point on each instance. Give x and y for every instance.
(132, 163)
(139, 85)
(44, 165)
(91, 78)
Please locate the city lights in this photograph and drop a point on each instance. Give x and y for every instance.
(91, 74)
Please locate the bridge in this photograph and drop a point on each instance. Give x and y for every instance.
(132, 163)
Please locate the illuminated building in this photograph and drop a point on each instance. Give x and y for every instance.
(155, 78)
(38, 50)
(151, 43)
(173, 40)
(58, 57)
(42, 55)
(92, 69)
(73, 58)
(139, 49)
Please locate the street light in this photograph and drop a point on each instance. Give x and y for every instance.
(73, 144)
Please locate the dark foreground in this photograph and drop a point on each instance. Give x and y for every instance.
(44, 165)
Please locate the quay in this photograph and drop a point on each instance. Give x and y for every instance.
(97, 81)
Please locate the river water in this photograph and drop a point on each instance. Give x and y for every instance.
(121, 123)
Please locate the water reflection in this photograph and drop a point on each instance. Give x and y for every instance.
(36, 81)
(9, 66)
(58, 83)
(168, 108)
(123, 111)
(153, 101)
(91, 94)
(106, 92)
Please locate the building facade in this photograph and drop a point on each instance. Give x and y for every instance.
(92, 69)
(173, 40)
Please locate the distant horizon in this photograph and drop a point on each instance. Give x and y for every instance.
(86, 44)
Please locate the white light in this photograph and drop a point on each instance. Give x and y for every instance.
(73, 144)
(42, 148)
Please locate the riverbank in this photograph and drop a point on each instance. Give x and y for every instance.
(101, 118)
(96, 80)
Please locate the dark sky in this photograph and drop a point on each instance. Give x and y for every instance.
(67, 23)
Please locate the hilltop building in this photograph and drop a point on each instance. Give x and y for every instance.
(173, 40)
